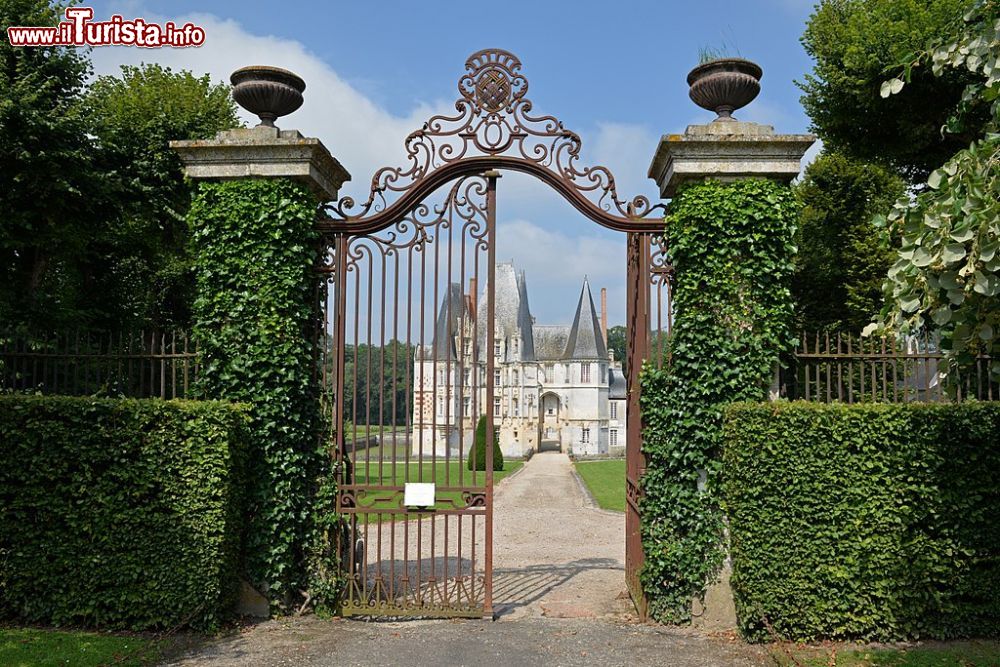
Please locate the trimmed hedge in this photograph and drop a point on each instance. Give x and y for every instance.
(876, 522)
(120, 513)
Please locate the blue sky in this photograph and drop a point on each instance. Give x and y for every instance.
(612, 71)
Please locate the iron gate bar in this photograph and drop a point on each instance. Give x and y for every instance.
(493, 130)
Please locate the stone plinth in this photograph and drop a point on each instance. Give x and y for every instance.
(264, 152)
(727, 150)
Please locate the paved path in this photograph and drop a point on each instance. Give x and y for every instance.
(559, 594)
(555, 554)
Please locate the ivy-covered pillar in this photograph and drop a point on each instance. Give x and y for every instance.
(730, 236)
(253, 229)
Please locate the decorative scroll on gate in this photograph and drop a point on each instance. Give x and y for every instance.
(406, 291)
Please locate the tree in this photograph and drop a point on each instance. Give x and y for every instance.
(947, 276)
(854, 42)
(51, 192)
(616, 343)
(149, 276)
(843, 257)
(477, 455)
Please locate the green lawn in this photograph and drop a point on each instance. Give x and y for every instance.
(452, 473)
(26, 647)
(606, 482)
(949, 654)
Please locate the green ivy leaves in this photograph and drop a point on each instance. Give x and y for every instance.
(731, 246)
(948, 274)
(254, 325)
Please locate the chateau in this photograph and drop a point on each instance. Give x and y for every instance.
(553, 385)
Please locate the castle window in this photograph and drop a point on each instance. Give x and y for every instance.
(585, 435)
(613, 435)
(496, 406)
(467, 346)
(496, 433)
(517, 407)
(496, 349)
(585, 373)
(465, 406)
(496, 377)
(614, 410)
(550, 373)
(513, 377)
(466, 376)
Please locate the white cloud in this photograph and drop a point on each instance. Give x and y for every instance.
(556, 262)
(553, 242)
(359, 133)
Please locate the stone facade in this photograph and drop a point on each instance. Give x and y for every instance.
(553, 386)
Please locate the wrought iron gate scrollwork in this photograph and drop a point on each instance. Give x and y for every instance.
(394, 270)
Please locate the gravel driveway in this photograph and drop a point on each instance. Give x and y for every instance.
(559, 595)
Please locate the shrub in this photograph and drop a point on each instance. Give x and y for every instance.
(479, 448)
(869, 521)
(120, 513)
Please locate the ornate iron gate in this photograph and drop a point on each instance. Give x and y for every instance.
(408, 329)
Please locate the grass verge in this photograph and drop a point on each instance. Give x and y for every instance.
(30, 647)
(443, 474)
(606, 482)
(973, 653)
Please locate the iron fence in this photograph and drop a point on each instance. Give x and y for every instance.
(143, 364)
(842, 367)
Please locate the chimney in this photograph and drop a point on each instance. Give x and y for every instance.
(472, 296)
(604, 314)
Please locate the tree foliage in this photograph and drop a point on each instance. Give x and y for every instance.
(947, 276)
(854, 42)
(616, 343)
(843, 257)
(92, 200)
(149, 275)
(378, 382)
(51, 191)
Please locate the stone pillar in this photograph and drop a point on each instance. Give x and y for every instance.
(726, 150)
(263, 152)
(253, 229)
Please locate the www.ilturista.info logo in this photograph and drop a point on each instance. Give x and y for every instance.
(79, 30)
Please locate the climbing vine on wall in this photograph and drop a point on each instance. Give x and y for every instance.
(731, 246)
(254, 323)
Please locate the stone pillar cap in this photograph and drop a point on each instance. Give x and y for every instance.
(264, 152)
(727, 150)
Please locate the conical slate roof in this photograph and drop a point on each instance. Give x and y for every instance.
(449, 323)
(512, 317)
(585, 339)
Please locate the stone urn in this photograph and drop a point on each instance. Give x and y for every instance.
(268, 92)
(724, 85)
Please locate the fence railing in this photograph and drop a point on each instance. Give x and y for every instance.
(841, 367)
(142, 364)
